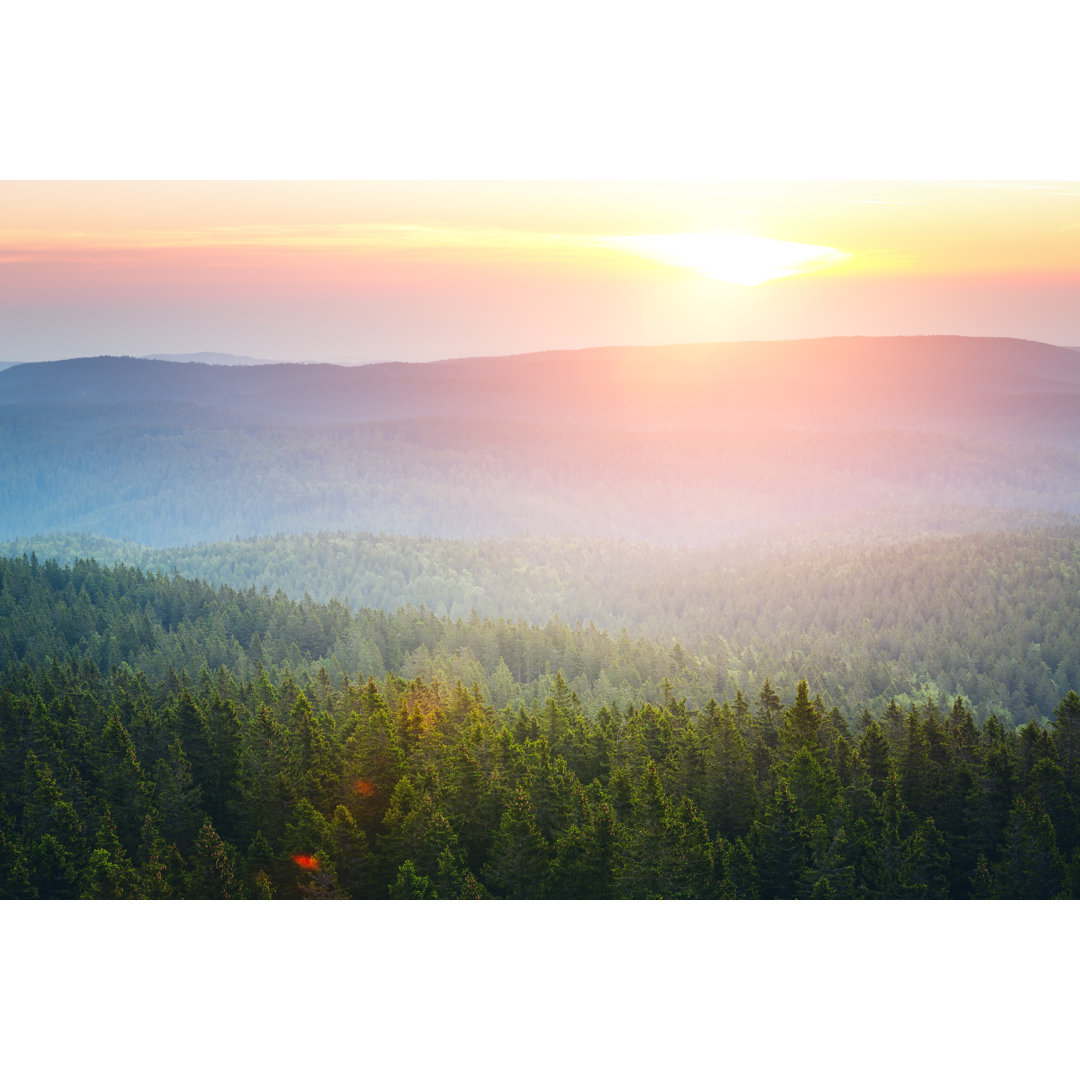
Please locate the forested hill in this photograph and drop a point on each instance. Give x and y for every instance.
(680, 444)
(994, 617)
(1030, 391)
(161, 739)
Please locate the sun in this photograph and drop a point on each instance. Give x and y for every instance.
(736, 260)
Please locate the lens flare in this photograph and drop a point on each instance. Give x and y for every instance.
(306, 862)
(365, 788)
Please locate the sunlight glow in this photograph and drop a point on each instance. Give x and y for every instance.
(737, 260)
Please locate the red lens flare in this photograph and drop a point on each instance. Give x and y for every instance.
(306, 862)
(366, 788)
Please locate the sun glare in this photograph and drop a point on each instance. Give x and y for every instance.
(737, 260)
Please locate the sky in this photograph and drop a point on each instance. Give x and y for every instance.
(371, 271)
(421, 181)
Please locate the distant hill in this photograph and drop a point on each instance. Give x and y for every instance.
(206, 358)
(669, 444)
(1026, 391)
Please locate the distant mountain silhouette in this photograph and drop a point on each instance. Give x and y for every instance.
(1011, 389)
(671, 444)
(206, 358)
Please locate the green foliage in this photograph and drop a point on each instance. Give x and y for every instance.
(408, 885)
(993, 617)
(160, 778)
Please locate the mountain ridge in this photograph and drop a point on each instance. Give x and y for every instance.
(936, 382)
(682, 444)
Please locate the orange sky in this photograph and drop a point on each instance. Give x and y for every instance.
(371, 271)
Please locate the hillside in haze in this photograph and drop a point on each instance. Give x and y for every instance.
(992, 616)
(680, 444)
(206, 358)
(947, 384)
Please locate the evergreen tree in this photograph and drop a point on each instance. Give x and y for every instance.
(728, 795)
(768, 711)
(927, 859)
(802, 721)
(109, 874)
(519, 856)
(781, 847)
(875, 756)
(1030, 866)
(213, 867)
(1067, 738)
(351, 854)
(409, 885)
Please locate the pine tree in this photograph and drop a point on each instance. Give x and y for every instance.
(1067, 738)
(1030, 866)
(518, 861)
(768, 711)
(213, 867)
(888, 873)
(728, 795)
(409, 885)
(927, 857)
(781, 846)
(802, 722)
(875, 756)
(109, 874)
(914, 768)
(312, 772)
(54, 874)
(892, 723)
(121, 781)
(814, 785)
(351, 855)
(583, 862)
(179, 800)
(827, 875)
(690, 854)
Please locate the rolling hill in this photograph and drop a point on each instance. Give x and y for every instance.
(676, 444)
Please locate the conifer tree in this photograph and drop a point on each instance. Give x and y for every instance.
(583, 862)
(814, 785)
(1030, 866)
(409, 885)
(109, 874)
(312, 770)
(927, 858)
(179, 800)
(802, 721)
(518, 862)
(780, 846)
(213, 867)
(690, 854)
(1046, 786)
(914, 768)
(827, 875)
(642, 868)
(351, 854)
(874, 753)
(768, 711)
(1066, 728)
